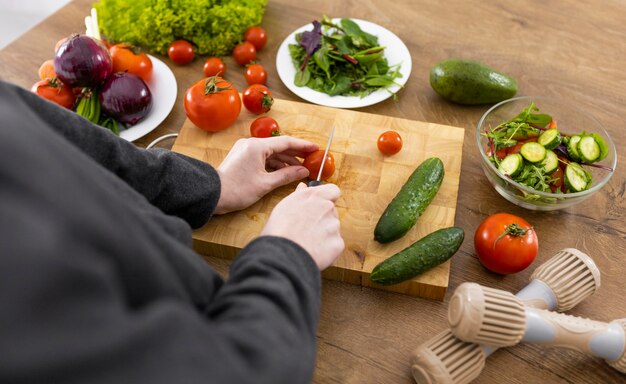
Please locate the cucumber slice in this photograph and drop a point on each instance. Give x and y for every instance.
(533, 152)
(512, 165)
(604, 149)
(550, 163)
(550, 138)
(572, 148)
(588, 149)
(576, 178)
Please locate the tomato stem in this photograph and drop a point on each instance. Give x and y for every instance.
(210, 85)
(513, 230)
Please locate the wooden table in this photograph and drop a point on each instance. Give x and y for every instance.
(565, 49)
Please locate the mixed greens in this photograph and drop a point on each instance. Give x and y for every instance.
(531, 150)
(213, 26)
(341, 59)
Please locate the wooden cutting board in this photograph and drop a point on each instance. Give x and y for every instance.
(368, 181)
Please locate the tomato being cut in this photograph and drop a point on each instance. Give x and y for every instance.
(313, 161)
(244, 53)
(506, 243)
(55, 91)
(264, 127)
(181, 52)
(257, 98)
(212, 104)
(256, 36)
(214, 66)
(127, 58)
(256, 74)
(389, 143)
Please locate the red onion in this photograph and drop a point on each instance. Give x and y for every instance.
(82, 61)
(125, 97)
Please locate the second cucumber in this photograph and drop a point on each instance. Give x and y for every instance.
(411, 201)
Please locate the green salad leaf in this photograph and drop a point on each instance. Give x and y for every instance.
(341, 59)
(213, 26)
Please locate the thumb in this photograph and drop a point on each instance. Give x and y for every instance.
(287, 175)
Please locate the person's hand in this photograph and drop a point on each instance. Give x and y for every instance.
(256, 166)
(309, 218)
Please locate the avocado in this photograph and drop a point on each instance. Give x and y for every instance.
(470, 82)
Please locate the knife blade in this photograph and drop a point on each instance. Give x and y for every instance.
(318, 181)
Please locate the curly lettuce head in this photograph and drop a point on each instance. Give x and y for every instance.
(213, 26)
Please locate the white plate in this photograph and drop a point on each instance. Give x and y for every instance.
(163, 88)
(395, 52)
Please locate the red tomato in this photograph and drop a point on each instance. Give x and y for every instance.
(313, 161)
(389, 143)
(256, 74)
(257, 99)
(212, 104)
(55, 91)
(500, 153)
(46, 70)
(181, 52)
(127, 58)
(214, 66)
(256, 36)
(264, 127)
(558, 175)
(244, 53)
(505, 243)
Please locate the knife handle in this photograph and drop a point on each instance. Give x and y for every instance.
(314, 183)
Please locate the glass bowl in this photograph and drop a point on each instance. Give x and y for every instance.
(571, 119)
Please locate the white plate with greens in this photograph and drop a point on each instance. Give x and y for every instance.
(395, 52)
(163, 88)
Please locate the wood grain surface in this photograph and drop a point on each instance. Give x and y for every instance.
(568, 49)
(368, 182)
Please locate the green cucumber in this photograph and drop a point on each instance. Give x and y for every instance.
(550, 163)
(533, 152)
(411, 201)
(576, 178)
(512, 165)
(572, 147)
(550, 138)
(426, 253)
(604, 149)
(588, 149)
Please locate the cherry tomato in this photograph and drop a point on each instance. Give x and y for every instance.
(257, 99)
(55, 91)
(181, 52)
(389, 143)
(558, 175)
(214, 66)
(212, 104)
(244, 53)
(46, 71)
(256, 74)
(256, 36)
(127, 58)
(264, 127)
(313, 161)
(505, 243)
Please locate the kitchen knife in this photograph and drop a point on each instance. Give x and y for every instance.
(318, 181)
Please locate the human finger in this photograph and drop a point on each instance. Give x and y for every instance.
(286, 175)
(290, 145)
(328, 191)
(291, 160)
(273, 164)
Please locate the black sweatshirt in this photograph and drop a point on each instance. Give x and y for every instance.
(98, 282)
